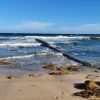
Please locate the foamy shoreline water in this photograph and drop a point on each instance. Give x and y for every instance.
(19, 44)
(25, 47)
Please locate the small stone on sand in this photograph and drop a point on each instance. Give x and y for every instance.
(11, 77)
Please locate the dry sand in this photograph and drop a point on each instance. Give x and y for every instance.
(43, 87)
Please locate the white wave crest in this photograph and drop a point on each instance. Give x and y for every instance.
(19, 44)
(17, 57)
(56, 37)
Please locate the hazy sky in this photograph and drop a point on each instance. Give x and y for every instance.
(63, 16)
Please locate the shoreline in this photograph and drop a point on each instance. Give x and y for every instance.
(44, 86)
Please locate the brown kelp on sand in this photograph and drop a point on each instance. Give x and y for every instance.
(90, 89)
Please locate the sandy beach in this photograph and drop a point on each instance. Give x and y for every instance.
(44, 86)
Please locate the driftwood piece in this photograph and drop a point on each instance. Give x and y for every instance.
(44, 43)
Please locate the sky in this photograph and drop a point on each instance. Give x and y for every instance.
(50, 16)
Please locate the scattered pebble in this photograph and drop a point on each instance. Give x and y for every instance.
(96, 71)
(33, 75)
(11, 77)
(20, 90)
(91, 76)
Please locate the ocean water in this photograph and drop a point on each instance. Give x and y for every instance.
(30, 55)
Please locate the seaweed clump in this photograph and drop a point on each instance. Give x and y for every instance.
(51, 67)
(91, 89)
(60, 70)
(56, 70)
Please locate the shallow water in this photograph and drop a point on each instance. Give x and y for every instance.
(30, 54)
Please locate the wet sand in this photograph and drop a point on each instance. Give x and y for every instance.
(44, 86)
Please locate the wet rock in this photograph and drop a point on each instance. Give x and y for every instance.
(11, 77)
(51, 67)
